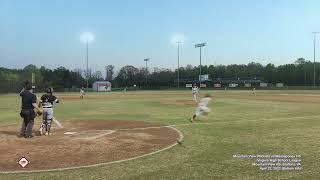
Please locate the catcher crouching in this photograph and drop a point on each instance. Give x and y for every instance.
(47, 101)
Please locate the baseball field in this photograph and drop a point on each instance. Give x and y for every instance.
(134, 135)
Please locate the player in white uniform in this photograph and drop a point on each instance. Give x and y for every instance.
(82, 93)
(125, 90)
(47, 100)
(254, 91)
(195, 93)
(202, 107)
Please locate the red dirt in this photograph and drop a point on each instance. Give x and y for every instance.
(89, 146)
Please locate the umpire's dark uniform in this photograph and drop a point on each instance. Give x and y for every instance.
(27, 112)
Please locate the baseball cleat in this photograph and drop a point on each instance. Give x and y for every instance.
(191, 120)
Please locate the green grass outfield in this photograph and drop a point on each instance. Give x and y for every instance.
(238, 124)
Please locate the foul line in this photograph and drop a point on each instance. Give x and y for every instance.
(249, 120)
(216, 122)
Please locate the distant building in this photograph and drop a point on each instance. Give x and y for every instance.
(101, 86)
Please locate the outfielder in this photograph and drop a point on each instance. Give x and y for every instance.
(82, 93)
(202, 107)
(195, 92)
(47, 105)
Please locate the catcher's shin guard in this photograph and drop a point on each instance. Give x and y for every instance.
(41, 129)
(48, 126)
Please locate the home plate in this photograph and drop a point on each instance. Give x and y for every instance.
(69, 133)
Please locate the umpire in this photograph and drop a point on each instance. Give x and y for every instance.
(27, 112)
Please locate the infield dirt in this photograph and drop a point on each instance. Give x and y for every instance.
(92, 142)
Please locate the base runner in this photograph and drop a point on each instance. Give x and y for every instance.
(202, 108)
(47, 105)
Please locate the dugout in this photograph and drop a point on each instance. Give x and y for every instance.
(101, 86)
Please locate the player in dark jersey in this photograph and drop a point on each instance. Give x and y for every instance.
(47, 105)
(28, 101)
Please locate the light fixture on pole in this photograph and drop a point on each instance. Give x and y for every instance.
(200, 45)
(87, 37)
(178, 42)
(146, 60)
(314, 57)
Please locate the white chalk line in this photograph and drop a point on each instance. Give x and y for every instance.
(70, 133)
(155, 152)
(248, 120)
(142, 128)
(98, 136)
(102, 164)
(216, 122)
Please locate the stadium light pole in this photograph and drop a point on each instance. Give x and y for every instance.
(87, 44)
(314, 58)
(86, 38)
(178, 42)
(200, 45)
(146, 60)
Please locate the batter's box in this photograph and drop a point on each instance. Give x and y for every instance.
(89, 135)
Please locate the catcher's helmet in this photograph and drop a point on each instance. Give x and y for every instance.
(49, 90)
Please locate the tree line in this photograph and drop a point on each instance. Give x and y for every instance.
(299, 73)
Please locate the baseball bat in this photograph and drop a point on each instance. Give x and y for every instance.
(59, 125)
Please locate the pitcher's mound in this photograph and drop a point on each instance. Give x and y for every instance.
(82, 143)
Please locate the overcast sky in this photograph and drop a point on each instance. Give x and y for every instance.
(47, 32)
